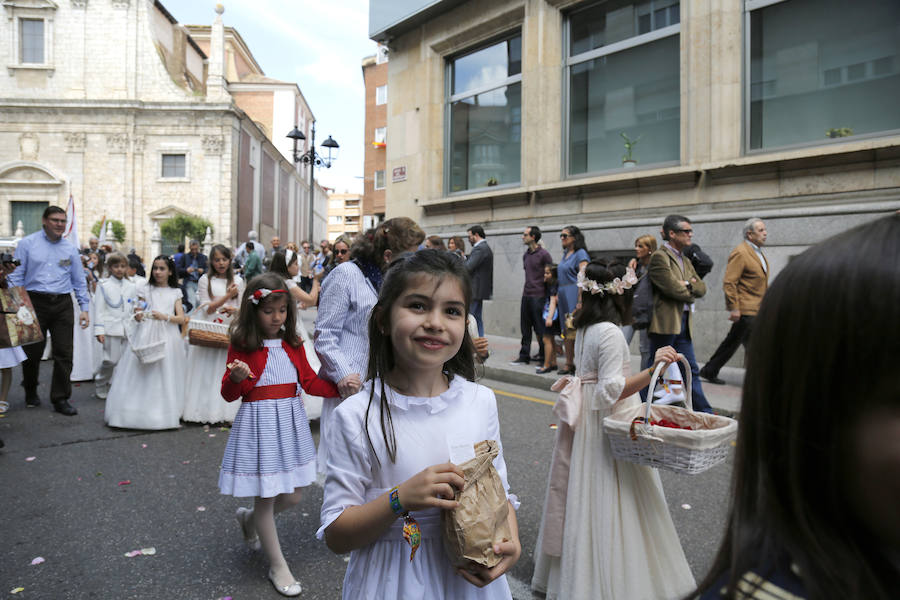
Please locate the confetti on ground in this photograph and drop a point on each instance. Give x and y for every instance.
(79, 479)
(98, 474)
(224, 429)
(142, 552)
(201, 508)
(206, 428)
(212, 435)
(305, 514)
(16, 590)
(185, 462)
(143, 445)
(553, 426)
(30, 458)
(37, 560)
(347, 558)
(686, 506)
(224, 598)
(125, 482)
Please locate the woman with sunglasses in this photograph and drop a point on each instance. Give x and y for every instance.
(340, 252)
(575, 258)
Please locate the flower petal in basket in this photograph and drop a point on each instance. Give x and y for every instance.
(707, 431)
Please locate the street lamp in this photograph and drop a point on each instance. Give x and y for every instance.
(313, 159)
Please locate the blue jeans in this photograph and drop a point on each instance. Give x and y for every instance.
(684, 345)
(475, 311)
(190, 290)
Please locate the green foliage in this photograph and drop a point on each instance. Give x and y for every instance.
(117, 226)
(629, 147)
(185, 226)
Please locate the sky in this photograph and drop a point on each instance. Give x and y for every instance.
(319, 45)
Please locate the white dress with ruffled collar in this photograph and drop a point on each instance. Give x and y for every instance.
(425, 428)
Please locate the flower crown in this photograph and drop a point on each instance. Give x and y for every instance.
(261, 293)
(616, 286)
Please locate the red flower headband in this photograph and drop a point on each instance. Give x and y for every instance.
(261, 293)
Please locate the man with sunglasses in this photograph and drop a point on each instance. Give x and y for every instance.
(675, 286)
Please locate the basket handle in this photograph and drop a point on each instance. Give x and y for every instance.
(687, 381)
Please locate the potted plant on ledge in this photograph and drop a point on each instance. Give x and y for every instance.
(628, 160)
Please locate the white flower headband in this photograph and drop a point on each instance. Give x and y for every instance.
(261, 293)
(616, 286)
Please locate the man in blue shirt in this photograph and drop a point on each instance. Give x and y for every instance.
(50, 270)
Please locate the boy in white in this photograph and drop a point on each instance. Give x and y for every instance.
(115, 299)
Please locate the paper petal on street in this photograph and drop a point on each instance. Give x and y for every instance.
(125, 482)
(553, 426)
(143, 445)
(133, 553)
(201, 508)
(38, 560)
(16, 590)
(148, 551)
(686, 506)
(185, 462)
(212, 435)
(30, 458)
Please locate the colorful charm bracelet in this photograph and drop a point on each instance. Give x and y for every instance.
(411, 532)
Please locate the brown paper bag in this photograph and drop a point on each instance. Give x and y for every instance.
(480, 521)
(18, 321)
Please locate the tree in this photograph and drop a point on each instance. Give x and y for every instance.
(117, 226)
(185, 226)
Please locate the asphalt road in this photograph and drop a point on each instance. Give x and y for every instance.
(81, 495)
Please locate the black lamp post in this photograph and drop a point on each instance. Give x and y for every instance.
(313, 159)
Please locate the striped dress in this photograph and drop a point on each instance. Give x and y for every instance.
(270, 450)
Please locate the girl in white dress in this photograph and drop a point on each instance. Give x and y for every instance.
(219, 294)
(9, 357)
(606, 532)
(150, 396)
(388, 458)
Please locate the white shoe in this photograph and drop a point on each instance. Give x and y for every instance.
(675, 394)
(292, 589)
(252, 541)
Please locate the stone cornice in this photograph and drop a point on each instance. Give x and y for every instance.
(57, 104)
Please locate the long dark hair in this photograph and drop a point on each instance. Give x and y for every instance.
(172, 282)
(279, 264)
(580, 244)
(245, 333)
(821, 359)
(229, 270)
(605, 306)
(435, 263)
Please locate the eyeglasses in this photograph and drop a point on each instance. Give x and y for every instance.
(685, 230)
(564, 235)
(342, 251)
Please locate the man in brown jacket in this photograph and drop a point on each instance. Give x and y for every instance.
(675, 286)
(746, 280)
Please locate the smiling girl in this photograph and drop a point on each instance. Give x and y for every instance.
(388, 459)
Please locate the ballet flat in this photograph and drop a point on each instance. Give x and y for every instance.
(252, 542)
(293, 589)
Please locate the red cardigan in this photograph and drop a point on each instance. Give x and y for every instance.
(256, 360)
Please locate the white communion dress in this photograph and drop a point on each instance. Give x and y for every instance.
(618, 537)
(150, 396)
(425, 428)
(203, 402)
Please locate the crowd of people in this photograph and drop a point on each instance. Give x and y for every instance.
(397, 333)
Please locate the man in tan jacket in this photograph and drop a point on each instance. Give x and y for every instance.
(746, 280)
(675, 286)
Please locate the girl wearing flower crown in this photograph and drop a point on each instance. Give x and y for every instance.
(270, 453)
(606, 532)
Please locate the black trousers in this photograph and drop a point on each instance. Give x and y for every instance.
(530, 318)
(56, 315)
(737, 335)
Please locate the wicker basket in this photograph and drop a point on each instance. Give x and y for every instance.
(147, 352)
(690, 451)
(208, 334)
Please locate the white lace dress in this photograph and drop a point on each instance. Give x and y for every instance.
(203, 402)
(150, 396)
(618, 539)
(424, 428)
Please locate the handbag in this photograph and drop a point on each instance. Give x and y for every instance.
(642, 305)
(19, 325)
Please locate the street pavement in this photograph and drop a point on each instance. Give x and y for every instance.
(82, 495)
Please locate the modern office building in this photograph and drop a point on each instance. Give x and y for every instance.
(611, 115)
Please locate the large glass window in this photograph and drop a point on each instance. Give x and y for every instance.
(485, 113)
(622, 67)
(31, 41)
(822, 69)
(174, 165)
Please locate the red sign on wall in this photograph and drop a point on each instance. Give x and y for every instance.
(399, 174)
